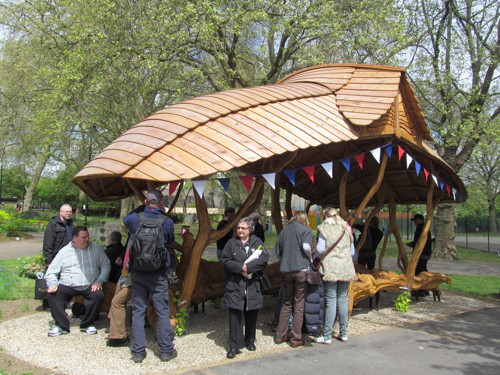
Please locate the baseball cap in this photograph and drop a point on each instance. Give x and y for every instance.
(417, 216)
(154, 195)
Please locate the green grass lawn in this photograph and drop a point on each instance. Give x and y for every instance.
(482, 286)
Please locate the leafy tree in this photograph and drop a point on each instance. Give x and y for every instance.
(455, 70)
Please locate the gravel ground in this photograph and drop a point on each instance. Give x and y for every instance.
(205, 344)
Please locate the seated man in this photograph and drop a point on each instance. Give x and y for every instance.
(80, 268)
(116, 253)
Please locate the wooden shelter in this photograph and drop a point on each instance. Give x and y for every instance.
(363, 121)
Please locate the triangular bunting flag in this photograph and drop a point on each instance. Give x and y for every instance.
(310, 172)
(388, 149)
(441, 185)
(270, 178)
(417, 167)
(376, 154)
(225, 183)
(328, 168)
(247, 181)
(360, 158)
(199, 185)
(435, 180)
(448, 189)
(426, 173)
(454, 191)
(409, 159)
(172, 186)
(401, 152)
(347, 163)
(290, 173)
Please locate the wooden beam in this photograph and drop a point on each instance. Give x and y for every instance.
(176, 198)
(276, 209)
(139, 194)
(344, 212)
(422, 240)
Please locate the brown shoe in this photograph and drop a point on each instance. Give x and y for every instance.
(296, 343)
(282, 340)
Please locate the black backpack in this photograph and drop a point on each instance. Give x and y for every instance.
(148, 252)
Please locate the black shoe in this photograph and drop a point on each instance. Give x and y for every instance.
(232, 353)
(164, 357)
(116, 343)
(251, 347)
(138, 357)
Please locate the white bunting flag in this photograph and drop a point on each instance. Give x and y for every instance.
(376, 154)
(435, 180)
(409, 159)
(328, 167)
(270, 178)
(199, 185)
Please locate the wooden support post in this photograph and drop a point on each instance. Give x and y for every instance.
(419, 246)
(176, 198)
(344, 212)
(139, 194)
(206, 236)
(393, 228)
(276, 210)
(288, 204)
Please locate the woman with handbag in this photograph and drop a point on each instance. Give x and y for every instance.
(334, 245)
(243, 258)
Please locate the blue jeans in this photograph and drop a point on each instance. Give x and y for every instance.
(154, 284)
(336, 299)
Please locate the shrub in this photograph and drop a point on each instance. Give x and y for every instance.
(30, 214)
(12, 227)
(31, 265)
(402, 303)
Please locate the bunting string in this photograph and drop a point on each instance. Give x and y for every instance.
(453, 192)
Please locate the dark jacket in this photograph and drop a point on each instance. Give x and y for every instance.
(57, 235)
(221, 242)
(289, 247)
(313, 309)
(427, 251)
(233, 257)
(114, 251)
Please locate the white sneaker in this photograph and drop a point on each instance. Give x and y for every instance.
(91, 330)
(321, 340)
(343, 338)
(55, 330)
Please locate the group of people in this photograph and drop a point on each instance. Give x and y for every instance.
(77, 266)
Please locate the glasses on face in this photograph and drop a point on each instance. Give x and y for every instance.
(67, 212)
(242, 228)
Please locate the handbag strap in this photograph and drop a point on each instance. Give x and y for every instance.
(323, 256)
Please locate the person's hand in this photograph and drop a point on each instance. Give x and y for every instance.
(244, 271)
(95, 287)
(119, 261)
(52, 289)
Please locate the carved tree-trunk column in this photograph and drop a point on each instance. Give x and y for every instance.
(276, 210)
(393, 228)
(419, 246)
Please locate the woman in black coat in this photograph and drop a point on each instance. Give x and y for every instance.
(242, 258)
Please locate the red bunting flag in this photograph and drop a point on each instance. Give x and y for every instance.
(247, 181)
(401, 152)
(426, 173)
(171, 187)
(310, 172)
(448, 189)
(360, 159)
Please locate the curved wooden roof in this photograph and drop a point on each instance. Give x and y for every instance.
(315, 115)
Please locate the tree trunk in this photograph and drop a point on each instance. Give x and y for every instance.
(28, 197)
(444, 247)
(492, 214)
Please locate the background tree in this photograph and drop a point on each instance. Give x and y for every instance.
(454, 67)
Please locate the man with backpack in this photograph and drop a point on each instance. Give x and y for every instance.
(150, 233)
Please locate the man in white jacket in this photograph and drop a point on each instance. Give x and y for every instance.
(80, 268)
